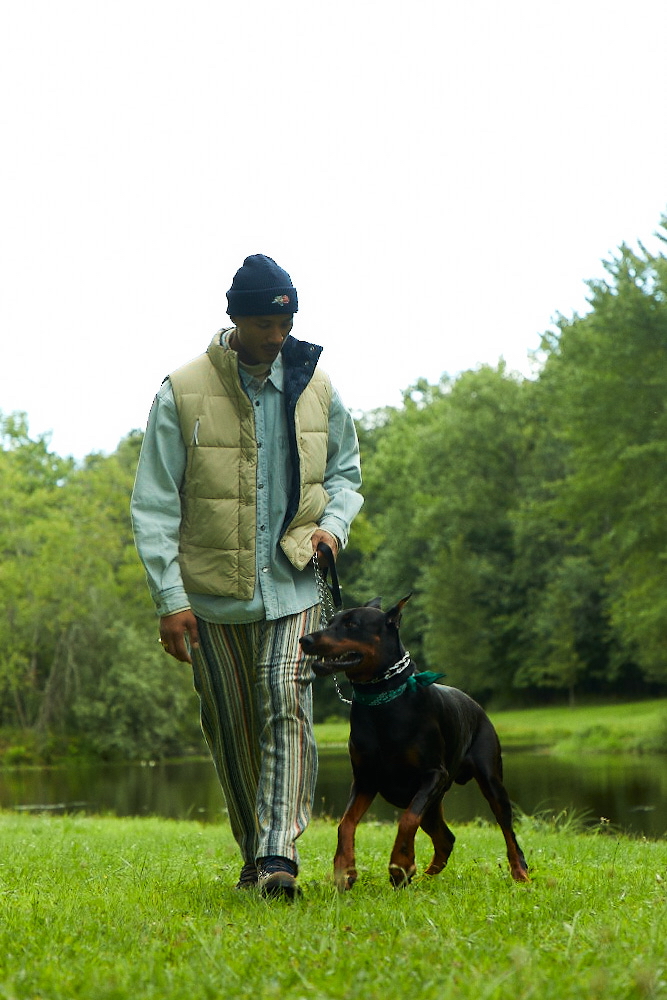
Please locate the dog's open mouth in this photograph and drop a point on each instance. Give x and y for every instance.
(333, 664)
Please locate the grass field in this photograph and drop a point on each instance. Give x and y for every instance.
(636, 727)
(110, 909)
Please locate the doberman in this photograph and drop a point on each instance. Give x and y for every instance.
(410, 739)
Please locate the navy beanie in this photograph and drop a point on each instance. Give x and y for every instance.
(261, 288)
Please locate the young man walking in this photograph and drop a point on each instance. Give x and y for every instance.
(249, 461)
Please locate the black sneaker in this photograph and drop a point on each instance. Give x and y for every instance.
(248, 876)
(277, 877)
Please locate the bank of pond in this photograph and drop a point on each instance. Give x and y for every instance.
(625, 791)
(557, 761)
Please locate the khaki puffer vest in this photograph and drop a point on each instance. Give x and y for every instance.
(218, 496)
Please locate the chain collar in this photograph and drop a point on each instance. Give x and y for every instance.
(392, 671)
(366, 698)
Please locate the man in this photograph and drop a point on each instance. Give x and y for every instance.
(249, 461)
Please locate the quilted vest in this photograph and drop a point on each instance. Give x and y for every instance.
(218, 495)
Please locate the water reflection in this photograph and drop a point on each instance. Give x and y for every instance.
(631, 792)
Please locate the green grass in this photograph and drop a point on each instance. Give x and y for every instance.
(110, 909)
(636, 727)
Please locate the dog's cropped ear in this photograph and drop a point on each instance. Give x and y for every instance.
(393, 616)
(375, 603)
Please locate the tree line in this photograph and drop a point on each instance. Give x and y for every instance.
(527, 517)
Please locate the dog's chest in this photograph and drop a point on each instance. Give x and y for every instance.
(390, 744)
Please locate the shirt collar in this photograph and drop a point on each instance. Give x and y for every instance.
(277, 374)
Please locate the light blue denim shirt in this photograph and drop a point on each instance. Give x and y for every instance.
(280, 589)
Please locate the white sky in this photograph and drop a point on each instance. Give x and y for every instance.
(439, 178)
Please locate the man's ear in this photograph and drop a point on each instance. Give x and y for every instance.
(393, 616)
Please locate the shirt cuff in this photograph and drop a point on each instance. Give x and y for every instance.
(335, 527)
(171, 601)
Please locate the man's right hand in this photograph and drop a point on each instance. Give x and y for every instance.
(173, 630)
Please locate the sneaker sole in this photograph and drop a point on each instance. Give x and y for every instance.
(280, 884)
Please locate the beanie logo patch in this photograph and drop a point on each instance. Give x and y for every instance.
(280, 300)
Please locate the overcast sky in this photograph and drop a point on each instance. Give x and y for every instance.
(439, 178)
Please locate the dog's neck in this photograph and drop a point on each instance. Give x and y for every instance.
(392, 683)
(397, 668)
(387, 686)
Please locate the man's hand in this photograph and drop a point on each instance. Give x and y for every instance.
(173, 630)
(324, 536)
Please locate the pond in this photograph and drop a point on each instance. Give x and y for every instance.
(629, 791)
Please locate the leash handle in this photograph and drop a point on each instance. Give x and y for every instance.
(330, 598)
(330, 566)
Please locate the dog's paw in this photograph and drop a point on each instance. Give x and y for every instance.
(400, 877)
(345, 879)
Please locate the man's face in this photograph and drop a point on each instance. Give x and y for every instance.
(258, 339)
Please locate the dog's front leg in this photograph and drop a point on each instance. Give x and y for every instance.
(402, 862)
(345, 872)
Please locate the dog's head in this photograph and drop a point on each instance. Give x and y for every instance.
(360, 642)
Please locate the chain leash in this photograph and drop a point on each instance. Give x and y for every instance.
(327, 608)
(327, 611)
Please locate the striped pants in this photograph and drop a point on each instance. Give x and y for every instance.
(255, 693)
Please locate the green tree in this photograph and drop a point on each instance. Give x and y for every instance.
(473, 458)
(31, 491)
(568, 645)
(442, 481)
(78, 631)
(394, 478)
(609, 373)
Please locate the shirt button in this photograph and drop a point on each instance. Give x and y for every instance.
(265, 569)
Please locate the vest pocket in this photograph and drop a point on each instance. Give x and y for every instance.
(191, 446)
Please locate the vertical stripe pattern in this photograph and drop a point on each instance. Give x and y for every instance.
(255, 692)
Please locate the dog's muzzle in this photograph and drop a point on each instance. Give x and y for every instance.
(324, 665)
